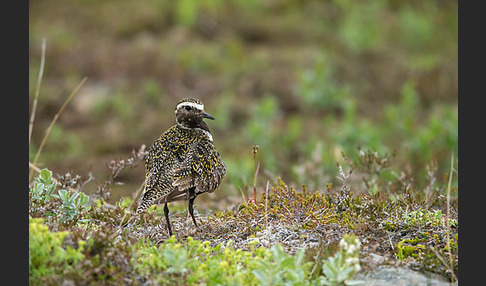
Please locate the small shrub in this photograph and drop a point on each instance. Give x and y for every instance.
(69, 209)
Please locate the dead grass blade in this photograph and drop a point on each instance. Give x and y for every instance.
(448, 214)
(48, 130)
(257, 169)
(254, 182)
(447, 266)
(136, 195)
(266, 206)
(37, 88)
(243, 195)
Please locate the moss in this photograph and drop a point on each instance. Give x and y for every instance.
(48, 256)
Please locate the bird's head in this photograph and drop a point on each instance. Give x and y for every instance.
(189, 113)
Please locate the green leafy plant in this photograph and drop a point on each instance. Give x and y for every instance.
(74, 207)
(283, 268)
(340, 268)
(69, 208)
(196, 262)
(43, 188)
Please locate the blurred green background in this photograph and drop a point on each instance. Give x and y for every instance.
(303, 80)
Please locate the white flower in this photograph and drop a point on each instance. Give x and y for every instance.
(351, 260)
(343, 244)
(351, 249)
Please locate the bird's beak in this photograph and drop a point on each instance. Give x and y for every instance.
(207, 115)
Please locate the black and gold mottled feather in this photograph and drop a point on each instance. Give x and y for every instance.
(183, 162)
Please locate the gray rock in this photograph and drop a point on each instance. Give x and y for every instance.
(399, 276)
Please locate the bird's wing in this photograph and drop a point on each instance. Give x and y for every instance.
(208, 167)
(185, 173)
(183, 177)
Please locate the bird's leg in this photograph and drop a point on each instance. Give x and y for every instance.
(191, 210)
(166, 213)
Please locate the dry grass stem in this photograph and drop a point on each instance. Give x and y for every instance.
(242, 194)
(257, 169)
(48, 130)
(137, 194)
(266, 206)
(34, 167)
(37, 88)
(448, 214)
(254, 182)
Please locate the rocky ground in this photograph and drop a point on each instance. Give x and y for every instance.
(401, 276)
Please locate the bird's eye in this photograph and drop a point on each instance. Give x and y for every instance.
(187, 107)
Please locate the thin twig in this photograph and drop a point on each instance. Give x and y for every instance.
(52, 124)
(37, 88)
(448, 216)
(266, 206)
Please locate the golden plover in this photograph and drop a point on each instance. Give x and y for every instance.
(183, 162)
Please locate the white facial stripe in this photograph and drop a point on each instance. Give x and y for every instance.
(192, 104)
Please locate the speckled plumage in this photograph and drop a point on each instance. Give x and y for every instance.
(183, 162)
